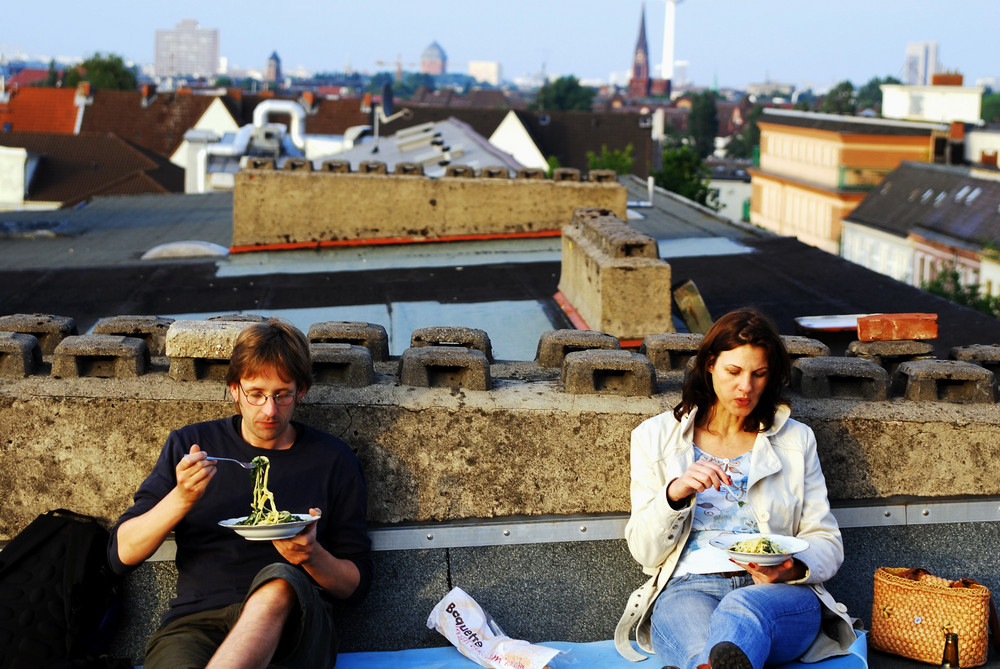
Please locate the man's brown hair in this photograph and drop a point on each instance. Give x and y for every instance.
(274, 344)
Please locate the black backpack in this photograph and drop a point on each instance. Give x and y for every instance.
(59, 599)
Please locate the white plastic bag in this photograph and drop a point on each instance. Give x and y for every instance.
(464, 623)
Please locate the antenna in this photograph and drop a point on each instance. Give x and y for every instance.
(379, 116)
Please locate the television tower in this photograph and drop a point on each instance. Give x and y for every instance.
(667, 66)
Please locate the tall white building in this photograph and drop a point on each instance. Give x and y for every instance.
(486, 71)
(921, 63)
(188, 50)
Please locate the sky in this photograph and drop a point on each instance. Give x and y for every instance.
(731, 43)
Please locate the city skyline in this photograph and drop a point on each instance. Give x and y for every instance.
(726, 42)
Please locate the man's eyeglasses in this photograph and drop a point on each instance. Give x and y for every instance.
(257, 398)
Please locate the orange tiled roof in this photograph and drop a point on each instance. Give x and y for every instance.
(76, 168)
(39, 109)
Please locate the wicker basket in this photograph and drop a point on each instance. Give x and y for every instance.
(912, 610)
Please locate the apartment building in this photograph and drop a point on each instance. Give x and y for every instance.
(814, 169)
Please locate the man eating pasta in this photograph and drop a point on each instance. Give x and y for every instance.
(252, 603)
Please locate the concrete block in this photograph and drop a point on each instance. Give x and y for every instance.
(465, 171)
(612, 279)
(409, 169)
(201, 349)
(444, 367)
(984, 355)
(802, 347)
(372, 336)
(298, 165)
(336, 166)
(566, 174)
(49, 330)
(105, 356)
(837, 377)
(260, 163)
(672, 350)
(896, 327)
(889, 354)
(150, 329)
(944, 381)
(342, 365)
(372, 167)
(20, 355)
(531, 173)
(238, 318)
(602, 176)
(555, 344)
(495, 172)
(614, 236)
(456, 336)
(692, 307)
(625, 373)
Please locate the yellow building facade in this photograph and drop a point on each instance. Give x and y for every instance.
(814, 169)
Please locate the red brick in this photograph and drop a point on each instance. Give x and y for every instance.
(897, 327)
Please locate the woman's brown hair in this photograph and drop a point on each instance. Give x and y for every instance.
(735, 329)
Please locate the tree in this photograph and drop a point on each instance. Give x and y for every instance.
(103, 73)
(991, 108)
(379, 80)
(223, 81)
(684, 173)
(806, 100)
(703, 123)
(948, 284)
(619, 161)
(840, 99)
(52, 78)
(870, 95)
(554, 164)
(742, 145)
(565, 93)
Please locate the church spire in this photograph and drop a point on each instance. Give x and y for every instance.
(638, 85)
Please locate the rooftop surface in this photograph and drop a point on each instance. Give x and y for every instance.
(86, 264)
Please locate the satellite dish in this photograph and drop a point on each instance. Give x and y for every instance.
(387, 102)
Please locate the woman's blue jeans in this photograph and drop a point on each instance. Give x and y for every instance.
(772, 623)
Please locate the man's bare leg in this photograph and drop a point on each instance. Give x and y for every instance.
(255, 636)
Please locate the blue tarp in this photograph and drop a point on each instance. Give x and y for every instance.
(600, 654)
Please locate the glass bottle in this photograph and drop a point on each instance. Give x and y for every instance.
(950, 658)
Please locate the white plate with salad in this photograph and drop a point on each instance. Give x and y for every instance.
(269, 532)
(763, 549)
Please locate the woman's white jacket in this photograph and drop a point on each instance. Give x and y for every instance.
(787, 490)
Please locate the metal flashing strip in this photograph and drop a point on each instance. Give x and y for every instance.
(500, 532)
(555, 529)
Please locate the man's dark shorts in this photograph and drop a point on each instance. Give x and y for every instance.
(308, 641)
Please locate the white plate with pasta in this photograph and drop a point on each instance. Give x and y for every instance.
(269, 532)
(763, 549)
